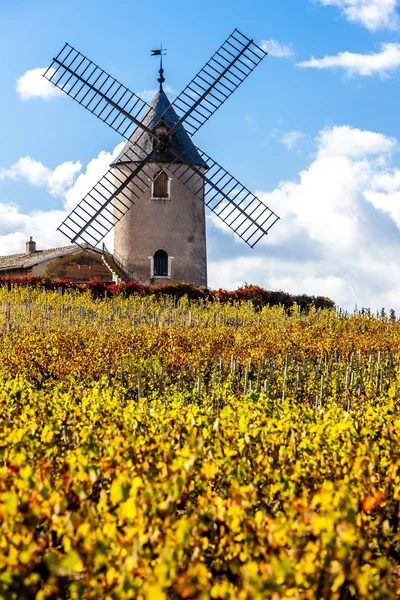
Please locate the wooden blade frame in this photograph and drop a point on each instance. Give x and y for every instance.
(226, 70)
(97, 91)
(121, 109)
(95, 215)
(230, 200)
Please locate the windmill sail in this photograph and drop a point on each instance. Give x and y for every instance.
(229, 199)
(226, 70)
(134, 119)
(113, 103)
(96, 90)
(97, 213)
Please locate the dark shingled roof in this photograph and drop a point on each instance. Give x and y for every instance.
(23, 261)
(181, 142)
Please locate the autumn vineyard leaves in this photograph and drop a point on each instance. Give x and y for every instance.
(161, 448)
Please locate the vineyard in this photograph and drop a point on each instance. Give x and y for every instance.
(160, 448)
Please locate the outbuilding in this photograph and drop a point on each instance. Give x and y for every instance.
(79, 264)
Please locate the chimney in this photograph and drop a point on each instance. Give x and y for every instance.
(30, 246)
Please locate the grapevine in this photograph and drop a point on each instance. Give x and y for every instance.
(161, 448)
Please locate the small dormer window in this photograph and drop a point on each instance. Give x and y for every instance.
(160, 187)
(161, 132)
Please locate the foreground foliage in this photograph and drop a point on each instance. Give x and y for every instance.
(196, 451)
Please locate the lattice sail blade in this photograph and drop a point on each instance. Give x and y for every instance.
(226, 70)
(121, 109)
(97, 91)
(244, 213)
(108, 201)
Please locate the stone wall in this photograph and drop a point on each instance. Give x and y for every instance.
(78, 266)
(175, 225)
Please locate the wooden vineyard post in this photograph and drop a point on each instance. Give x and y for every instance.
(139, 386)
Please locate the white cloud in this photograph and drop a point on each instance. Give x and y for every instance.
(32, 84)
(372, 14)
(232, 273)
(35, 173)
(381, 63)
(354, 143)
(292, 139)
(339, 233)
(16, 226)
(95, 169)
(275, 48)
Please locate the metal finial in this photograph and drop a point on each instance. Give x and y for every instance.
(161, 52)
(161, 79)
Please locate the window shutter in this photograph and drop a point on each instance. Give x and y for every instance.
(160, 186)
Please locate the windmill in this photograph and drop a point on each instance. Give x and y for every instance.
(161, 165)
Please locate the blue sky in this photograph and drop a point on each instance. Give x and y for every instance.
(317, 140)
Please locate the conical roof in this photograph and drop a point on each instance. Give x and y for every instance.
(143, 142)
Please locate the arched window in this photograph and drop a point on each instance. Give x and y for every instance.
(160, 264)
(161, 185)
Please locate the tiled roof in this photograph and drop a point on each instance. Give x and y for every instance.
(23, 261)
(181, 143)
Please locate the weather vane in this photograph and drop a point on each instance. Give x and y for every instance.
(161, 52)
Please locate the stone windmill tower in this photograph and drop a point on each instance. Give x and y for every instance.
(156, 190)
(163, 237)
